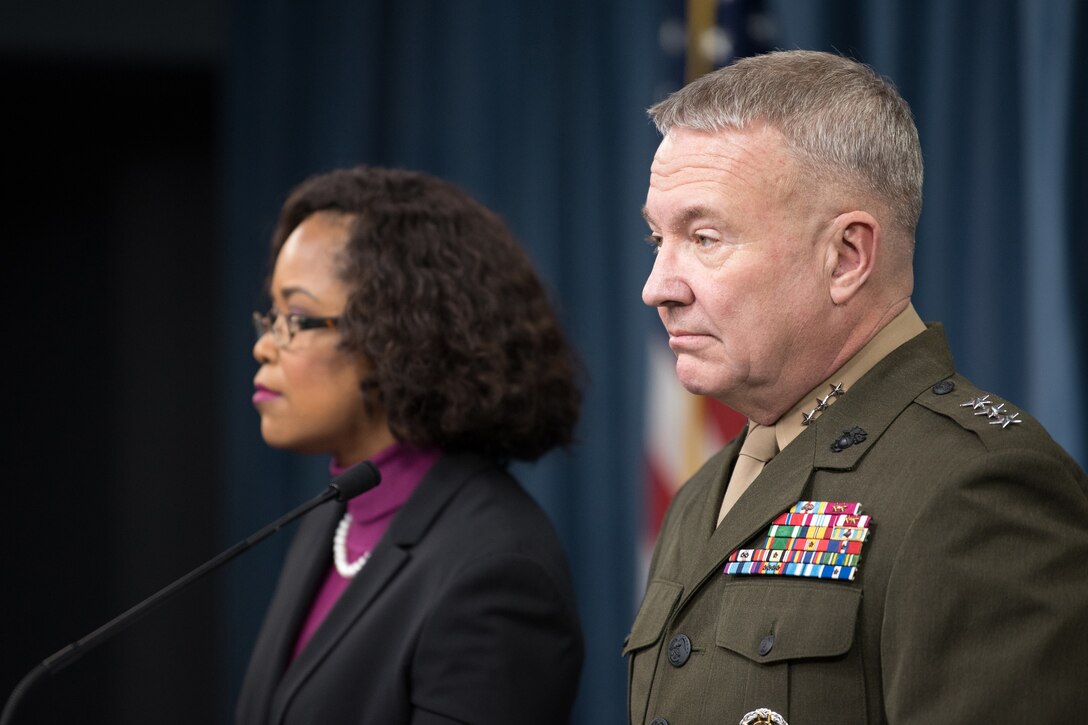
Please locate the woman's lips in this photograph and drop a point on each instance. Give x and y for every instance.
(262, 394)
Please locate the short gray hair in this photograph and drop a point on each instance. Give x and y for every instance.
(844, 121)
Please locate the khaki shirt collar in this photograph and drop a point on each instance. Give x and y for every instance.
(902, 328)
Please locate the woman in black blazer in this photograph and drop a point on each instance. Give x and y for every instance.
(408, 328)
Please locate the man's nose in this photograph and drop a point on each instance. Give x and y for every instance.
(666, 285)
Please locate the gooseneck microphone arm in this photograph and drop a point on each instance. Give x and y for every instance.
(348, 485)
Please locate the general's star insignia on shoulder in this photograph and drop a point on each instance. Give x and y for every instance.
(763, 716)
(994, 412)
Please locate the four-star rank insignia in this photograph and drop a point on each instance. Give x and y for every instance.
(816, 539)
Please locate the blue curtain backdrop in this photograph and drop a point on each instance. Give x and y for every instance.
(538, 109)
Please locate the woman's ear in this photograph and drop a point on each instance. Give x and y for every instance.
(852, 255)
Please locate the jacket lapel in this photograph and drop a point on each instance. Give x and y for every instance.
(382, 567)
(391, 556)
(303, 570)
(307, 561)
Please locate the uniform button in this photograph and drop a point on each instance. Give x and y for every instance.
(659, 721)
(944, 387)
(679, 650)
(766, 644)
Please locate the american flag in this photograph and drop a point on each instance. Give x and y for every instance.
(683, 430)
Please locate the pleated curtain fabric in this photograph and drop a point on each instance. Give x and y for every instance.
(760, 446)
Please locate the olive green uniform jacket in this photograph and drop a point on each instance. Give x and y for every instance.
(970, 603)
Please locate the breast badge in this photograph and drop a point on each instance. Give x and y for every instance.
(763, 716)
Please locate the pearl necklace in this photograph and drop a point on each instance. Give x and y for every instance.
(340, 551)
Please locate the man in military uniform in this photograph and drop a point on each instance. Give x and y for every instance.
(885, 543)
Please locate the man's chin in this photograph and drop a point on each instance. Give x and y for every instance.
(697, 384)
(694, 374)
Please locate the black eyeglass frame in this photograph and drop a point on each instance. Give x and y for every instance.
(265, 323)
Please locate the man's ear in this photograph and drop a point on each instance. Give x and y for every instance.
(852, 255)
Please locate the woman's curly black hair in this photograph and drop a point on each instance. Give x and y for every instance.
(465, 349)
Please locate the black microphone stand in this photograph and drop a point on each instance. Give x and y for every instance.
(348, 485)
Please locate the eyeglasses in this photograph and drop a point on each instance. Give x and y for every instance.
(285, 327)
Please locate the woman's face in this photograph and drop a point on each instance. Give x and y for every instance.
(308, 392)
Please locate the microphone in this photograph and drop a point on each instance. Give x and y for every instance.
(352, 482)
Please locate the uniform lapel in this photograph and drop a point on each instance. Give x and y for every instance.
(777, 487)
(872, 405)
(879, 397)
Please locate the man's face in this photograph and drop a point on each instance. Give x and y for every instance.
(740, 277)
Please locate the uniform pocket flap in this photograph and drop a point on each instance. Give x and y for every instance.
(661, 597)
(772, 622)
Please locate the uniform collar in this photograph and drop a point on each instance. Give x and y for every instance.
(903, 327)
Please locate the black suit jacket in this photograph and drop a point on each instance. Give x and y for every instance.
(464, 614)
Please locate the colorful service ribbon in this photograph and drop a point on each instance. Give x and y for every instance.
(817, 539)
